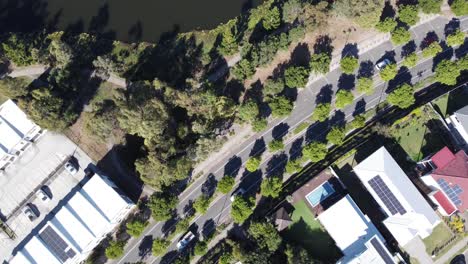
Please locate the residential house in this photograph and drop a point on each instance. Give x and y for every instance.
(459, 121)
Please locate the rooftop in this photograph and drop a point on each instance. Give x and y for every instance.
(462, 116)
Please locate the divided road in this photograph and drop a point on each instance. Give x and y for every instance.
(324, 88)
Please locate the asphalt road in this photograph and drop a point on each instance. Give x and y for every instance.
(323, 88)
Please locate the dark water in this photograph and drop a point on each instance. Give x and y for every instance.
(127, 20)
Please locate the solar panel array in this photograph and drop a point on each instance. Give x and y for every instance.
(56, 244)
(383, 254)
(452, 192)
(387, 197)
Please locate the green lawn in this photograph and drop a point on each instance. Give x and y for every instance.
(441, 104)
(307, 232)
(439, 236)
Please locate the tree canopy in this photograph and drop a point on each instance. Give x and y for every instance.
(349, 64)
(408, 14)
(253, 163)
(410, 60)
(296, 77)
(225, 184)
(456, 38)
(400, 36)
(259, 124)
(432, 50)
(271, 187)
(336, 135)
(228, 45)
(248, 111)
(115, 249)
(320, 63)
(402, 96)
(389, 72)
(430, 6)
(162, 206)
(343, 98)
(365, 12)
(276, 145)
(273, 87)
(135, 228)
(272, 19)
(242, 208)
(266, 235)
(358, 121)
(202, 204)
(321, 112)
(159, 246)
(386, 25)
(365, 85)
(459, 7)
(315, 151)
(447, 72)
(280, 106)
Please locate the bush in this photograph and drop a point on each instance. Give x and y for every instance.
(408, 14)
(280, 106)
(200, 248)
(447, 72)
(387, 25)
(115, 249)
(456, 38)
(296, 77)
(202, 204)
(276, 145)
(402, 96)
(225, 184)
(349, 64)
(248, 111)
(162, 206)
(358, 121)
(432, 50)
(259, 124)
(321, 112)
(459, 7)
(430, 6)
(400, 36)
(336, 135)
(320, 63)
(389, 72)
(410, 60)
(343, 98)
(272, 19)
(253, 164)
(271, 187)
(273, 87)
(293, 166)
(315, 151)
(159, 246)
(243, 70)
(135, 228)
(365, 85)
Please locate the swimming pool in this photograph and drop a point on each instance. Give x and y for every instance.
(320, 193)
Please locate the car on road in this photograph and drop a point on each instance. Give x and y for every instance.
(43, 195)
(381, 64)
(239, 192)
(29, 212)
(185, 241)
(71, 167)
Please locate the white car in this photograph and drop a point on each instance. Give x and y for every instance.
(185, 240)
(29, 212)
(380, 65)
(43, 196)
(239, 192)
(71, 168)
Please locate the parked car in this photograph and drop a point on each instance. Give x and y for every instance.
(30, 212)
(185, 241)
(381, 64)
(71, 167)
(239, 192)
(43, 195)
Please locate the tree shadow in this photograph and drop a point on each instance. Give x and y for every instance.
(325, 95)
(430, 37)
(258, 148)
(360, 107)
(338, 118)
(208, 188)
(280, 131)
(234, 90)
(135, 32)
(346, 82)
(144, 249)
(366, 69)
(100, 20)
(388, 11)
(300, 55)
(446, 54)
(462, 50)
(276, 165)
(316, 131)
(169, 257)
(452, 26)
(208, 228)
(408, 48)
(389, 55)
(323, 44)
(403, 76)
(296, 148)
(290, 93)
(232, 167)
(350, 49)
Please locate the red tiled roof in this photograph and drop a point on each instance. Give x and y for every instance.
(444, 202)
(443, 157)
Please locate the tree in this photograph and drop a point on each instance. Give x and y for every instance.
(408, 14)
(272, 19)
(162, 205)
(365, 85)
(14, 87)
(343, 98)
(387, 25)
(182, 225)
(296, 33)
(296, 77)
(17, 47)
(349, 64)
(200, 248)
(432, 50)
(320, 63)
(259, 124)
(456, 223)
(389, 72)
(291, 10)
(159, 246)
(280, 106)
(402, 96)
(365, 12)
(400, 36)
(336, 135)
(463, 63)
(202, 204)
(315, 151)
(293, 166)
(430, 6)
(228, 45)
(115, 249)
(248, 111)
(225, 184)
(242, 208)
(321, 112)
(456, 38)
(447, 72)
(459, 7)
(297, 255)
(60, 51)
(271, 187)
(135, 228)
(253, 164)
(358, 121)
(273, 87)
(410, 60)
(266, 235)
(243, 70)
(276, 145)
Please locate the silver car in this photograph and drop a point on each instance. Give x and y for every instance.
(239, 192)
(71, 168)
(30, 213)
(185, 240)
(380, 65)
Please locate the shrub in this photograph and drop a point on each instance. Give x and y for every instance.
(457, 38)
(408, 14)
(410, 60)
(349, 64)
(402, 96)
(365, 85)
(280, 106)
(358, 121)
(200, 248)
(432, 50)
(321, 112)
(320, 63)
(315, 151)
(459, 7)
(430, 6)
(276, 145)
(115, 249)
(389, 72)
(225, 184)
(259, 124)
(343, 98)
(336, 135)
(253, 164)
(400, 36)
(135, 228)
(159, 246)
(296, 77)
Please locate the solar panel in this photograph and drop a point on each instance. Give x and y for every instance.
(387, 197)
(379, 248)
(451, 192)
(56, 244)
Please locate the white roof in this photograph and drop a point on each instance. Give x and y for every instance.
(354, 236)
(14, 125)
(90, 213)
(418, 218)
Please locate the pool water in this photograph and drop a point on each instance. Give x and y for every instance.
(320, 193)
